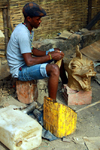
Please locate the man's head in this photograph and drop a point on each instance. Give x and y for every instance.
(33, 13)
(31, 9)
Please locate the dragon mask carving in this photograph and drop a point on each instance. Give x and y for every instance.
(80, 70)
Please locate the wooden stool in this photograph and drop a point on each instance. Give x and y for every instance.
(26, 91)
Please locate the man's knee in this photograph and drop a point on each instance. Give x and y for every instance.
(52, 69)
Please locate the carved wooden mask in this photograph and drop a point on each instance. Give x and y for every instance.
(80, 70)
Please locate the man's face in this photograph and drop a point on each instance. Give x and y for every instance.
(35, 22)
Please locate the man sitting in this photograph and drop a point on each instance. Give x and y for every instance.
(20, 53)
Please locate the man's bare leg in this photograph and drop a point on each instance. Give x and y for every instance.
(53, 72)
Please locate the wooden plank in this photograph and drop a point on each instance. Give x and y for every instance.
(93, 21)
(92, 51)
(93, 104)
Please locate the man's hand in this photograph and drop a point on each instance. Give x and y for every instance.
(56, 49)
(57, 54)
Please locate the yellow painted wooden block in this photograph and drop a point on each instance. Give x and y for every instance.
(58, 118)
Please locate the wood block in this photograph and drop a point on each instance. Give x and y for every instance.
(27, 91)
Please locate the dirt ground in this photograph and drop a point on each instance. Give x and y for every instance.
(88, 122)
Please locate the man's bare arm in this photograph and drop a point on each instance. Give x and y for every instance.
(37, 52)
(29, 60)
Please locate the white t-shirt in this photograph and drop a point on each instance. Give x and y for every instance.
(20, 42)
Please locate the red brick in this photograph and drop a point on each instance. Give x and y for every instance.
(27, 91)
(73, 97)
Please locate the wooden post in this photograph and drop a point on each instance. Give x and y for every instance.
(8, 20)
(4, 10)
(89, 11)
